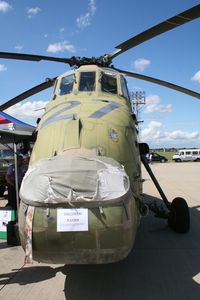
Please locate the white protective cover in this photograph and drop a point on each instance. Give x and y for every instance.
(67, 179)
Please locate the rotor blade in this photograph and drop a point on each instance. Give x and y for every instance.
(167, 25)
(161, 82)
(21, 56)
(36, 89)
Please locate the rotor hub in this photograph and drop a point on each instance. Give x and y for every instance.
(101, 61)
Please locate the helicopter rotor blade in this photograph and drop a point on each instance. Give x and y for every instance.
(36, 89)
(167, 25)
(31, 57)
(161, 82)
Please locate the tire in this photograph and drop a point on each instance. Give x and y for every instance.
(177, 160)
(2, 190)
(179, 218)
(162, 160)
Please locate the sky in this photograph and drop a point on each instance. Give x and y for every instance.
(92, 28)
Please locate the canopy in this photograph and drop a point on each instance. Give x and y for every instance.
(13, 130)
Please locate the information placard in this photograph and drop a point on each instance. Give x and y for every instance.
(5, 217)
(72, 219)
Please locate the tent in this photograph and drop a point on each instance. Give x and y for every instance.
(13, 131)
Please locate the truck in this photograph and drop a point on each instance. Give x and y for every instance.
(187, 155)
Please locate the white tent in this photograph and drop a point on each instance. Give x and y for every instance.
(14, 131)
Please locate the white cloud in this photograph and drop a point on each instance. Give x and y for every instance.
(182, 135)
(154, 135)
(152, 131)
(19, 48)
(2, 68)
(5, 6)
(85, 20)
(141, 63)
(153, 105)
(61, 47)
(33, 11)
(27, 110)
(92, 7)
(196, 77)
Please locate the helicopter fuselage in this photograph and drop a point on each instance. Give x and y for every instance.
(85, 161)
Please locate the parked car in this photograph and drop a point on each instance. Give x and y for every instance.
(157, 157)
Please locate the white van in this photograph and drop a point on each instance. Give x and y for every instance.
(187, 155)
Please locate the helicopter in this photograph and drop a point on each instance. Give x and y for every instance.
(81, 198)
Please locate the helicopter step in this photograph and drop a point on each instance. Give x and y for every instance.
(176, 212)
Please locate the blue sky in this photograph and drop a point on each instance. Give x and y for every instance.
(92, 28)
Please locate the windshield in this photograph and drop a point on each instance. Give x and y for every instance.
(87, 81)
(125, 92)
(66, 85)
(109, 83)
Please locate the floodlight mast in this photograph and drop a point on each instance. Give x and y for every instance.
(138, 98)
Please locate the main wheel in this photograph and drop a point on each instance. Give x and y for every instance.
(179, 218)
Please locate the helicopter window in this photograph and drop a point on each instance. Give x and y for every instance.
(66, 85)
(109, 83)
(125, 92)
(87, 82)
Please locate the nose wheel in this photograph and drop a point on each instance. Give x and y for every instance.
(179, 217)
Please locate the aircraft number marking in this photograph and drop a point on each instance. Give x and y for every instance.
(110, 106)
(104, 110)
(57, 115)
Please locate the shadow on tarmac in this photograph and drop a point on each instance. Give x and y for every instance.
(27, 275)
(162, 265)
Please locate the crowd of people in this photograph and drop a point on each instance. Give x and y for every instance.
(22, 166)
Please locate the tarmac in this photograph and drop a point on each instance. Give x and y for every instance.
(163, 265)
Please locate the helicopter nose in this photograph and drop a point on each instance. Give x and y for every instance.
(68, 180)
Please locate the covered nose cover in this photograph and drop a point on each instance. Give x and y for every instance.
(73, 180)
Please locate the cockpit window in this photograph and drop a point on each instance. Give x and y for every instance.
(109, 83)
(87, 82)
(66, 85)
(125, 92)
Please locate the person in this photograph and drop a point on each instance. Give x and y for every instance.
(10, 179)
(147, 156)
(25, 164)
(150, 157)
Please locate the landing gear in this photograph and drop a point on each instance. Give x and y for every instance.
(177, 212)
(179, 217)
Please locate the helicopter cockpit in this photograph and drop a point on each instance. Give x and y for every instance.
(93, 80)
(66, 85)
